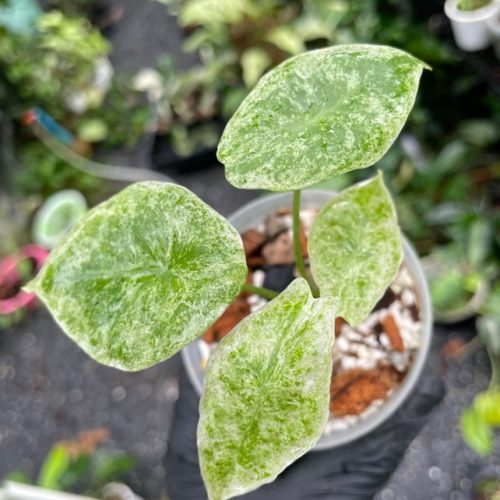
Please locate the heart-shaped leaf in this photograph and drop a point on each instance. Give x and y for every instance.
(318, 115)
(355, 248)
(266, 392)
(142, 275)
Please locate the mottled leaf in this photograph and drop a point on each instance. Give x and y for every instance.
(318, 115)
(476, 432)
(266, 392)
(355, 248)
(142, 275)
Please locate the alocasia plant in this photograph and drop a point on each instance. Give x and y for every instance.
(148, 271)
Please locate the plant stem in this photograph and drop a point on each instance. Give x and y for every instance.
(297, 248)
(267, 293)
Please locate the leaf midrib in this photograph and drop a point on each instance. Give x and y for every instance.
(133, 273)
(268, 372)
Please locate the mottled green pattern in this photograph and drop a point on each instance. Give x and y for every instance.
(266, 392)
(318, 115)
(142, 275)
(355, 248)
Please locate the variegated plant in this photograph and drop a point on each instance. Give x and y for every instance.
(149, 270)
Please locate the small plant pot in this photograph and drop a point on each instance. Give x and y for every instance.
(254, 215)
(59, 212)
(470, 27)
(13, 300)
(468, 309)
(494, 28)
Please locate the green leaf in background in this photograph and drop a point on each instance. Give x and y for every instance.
(450, 160)
(208, 12)
(142, 275)
(111, 466)
(469, 5)
(55, 465)
(355, 248)
(489, 330)
(480, 240)
(447, 289)
(287, 39)
(233, 97)
(18, 477)
(78, 473)
(478, 132)
(319, 19)
(254, 62)
(266, 392)
(476, 432)
(94, 130)
(487, 405)
(318, 115)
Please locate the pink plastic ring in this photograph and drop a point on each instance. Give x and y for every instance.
(11, 278)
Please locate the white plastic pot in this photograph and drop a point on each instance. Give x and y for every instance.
(494, 28)
(59, 212)
(255, 213)
(17, 491)
(470, 27)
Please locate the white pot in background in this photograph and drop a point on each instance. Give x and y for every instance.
(470, 27)
(494, 27)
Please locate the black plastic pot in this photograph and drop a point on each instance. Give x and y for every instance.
(165, 159)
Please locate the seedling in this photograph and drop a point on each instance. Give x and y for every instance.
(148, 271)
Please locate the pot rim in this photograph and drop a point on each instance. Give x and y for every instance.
(493, 23)
(252, 214)
(466, 16)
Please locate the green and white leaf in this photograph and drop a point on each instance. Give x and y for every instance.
(318, 115)
(266, 392)
(142, 275)
(355, 248)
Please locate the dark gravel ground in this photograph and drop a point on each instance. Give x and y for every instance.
(438, 465)
(50, 390)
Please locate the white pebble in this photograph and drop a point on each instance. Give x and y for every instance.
(258, 277)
